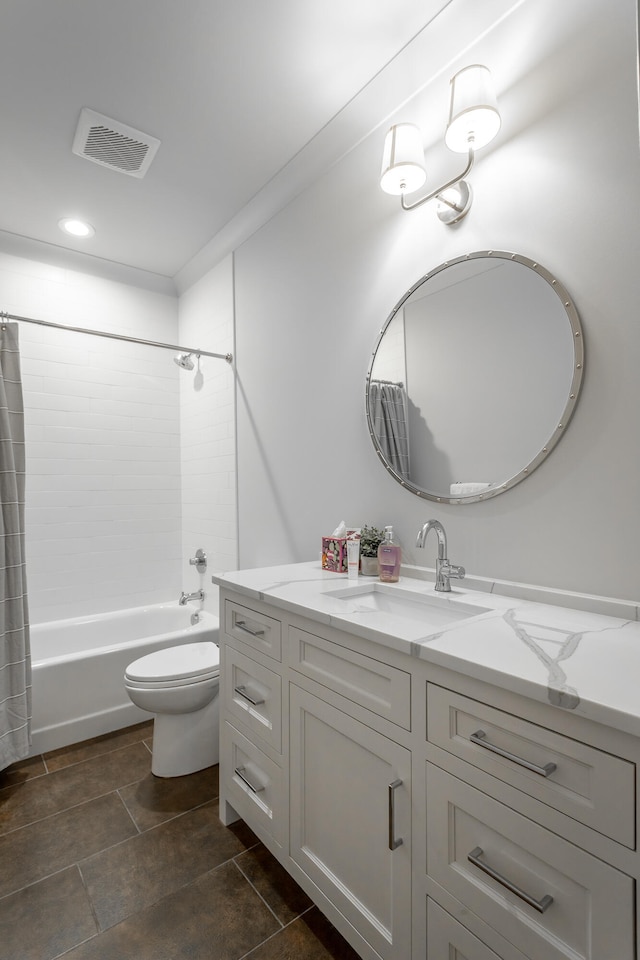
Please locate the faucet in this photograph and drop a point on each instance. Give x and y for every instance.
(186, 597)
(444, 569)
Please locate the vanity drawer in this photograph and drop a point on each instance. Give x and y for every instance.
(253, 783)
(261, 632)
(378, 687)
(587, 784)
(253, 696)
(449, 940)
(578, 906)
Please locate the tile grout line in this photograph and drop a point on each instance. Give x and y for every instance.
(131, 817)
(54, 873)
(90, 902)
(283, 926)
(112, 846)
(96, 756)
(189, 883)
(72, 806)
(256, 891)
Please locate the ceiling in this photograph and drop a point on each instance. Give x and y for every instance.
(239, 92)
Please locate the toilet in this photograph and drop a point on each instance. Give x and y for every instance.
(179, 685)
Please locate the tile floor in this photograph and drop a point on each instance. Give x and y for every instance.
(99, 860)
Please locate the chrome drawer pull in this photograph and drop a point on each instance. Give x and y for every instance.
(479, 739)
(240, 772)
(242, 691)
(242, 625)
(539, 905)
(393, 842)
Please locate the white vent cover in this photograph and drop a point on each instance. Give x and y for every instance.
(113, 144)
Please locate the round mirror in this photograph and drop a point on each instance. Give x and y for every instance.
(474, 377)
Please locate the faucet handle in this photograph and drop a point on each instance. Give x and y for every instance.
(199, 561)
(453, 570)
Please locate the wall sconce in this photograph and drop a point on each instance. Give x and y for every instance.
(474, 120)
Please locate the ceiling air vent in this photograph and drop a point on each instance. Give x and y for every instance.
(113, 144)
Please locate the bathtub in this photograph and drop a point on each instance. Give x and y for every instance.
(78, 668)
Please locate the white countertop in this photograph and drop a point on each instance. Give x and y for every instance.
(575, 659)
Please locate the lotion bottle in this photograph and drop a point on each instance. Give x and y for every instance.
(389, 558)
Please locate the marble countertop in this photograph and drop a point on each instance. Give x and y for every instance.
(575, 659)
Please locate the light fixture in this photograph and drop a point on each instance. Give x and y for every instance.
(474, 120)
(76, 228)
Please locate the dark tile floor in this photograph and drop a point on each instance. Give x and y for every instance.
(100, 860)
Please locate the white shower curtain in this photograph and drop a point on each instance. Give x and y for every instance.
(15, 658)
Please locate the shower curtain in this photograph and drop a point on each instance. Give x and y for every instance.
(15, 658)
(388, 402)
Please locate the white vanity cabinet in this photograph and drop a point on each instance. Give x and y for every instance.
(316, 732)
(530, 824)
(350, 828)
(430, 815)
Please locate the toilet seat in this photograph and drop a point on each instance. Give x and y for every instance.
(175, 666)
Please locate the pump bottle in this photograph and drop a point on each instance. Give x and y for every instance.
(389, 557)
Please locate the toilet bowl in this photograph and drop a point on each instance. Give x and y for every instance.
(179, 685)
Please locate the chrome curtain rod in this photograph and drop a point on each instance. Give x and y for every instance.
(117, 336)
(392, 383)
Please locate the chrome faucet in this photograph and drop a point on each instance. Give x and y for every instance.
(186, 597)
(444, 569)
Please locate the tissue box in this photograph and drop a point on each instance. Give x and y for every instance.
(334, 553)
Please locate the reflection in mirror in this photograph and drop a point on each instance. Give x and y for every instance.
(474, 377)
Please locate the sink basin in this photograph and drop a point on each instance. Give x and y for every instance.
(432, 611)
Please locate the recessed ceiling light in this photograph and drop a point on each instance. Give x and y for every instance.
(76, 228)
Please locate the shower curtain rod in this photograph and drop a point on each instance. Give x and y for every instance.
(117, 336)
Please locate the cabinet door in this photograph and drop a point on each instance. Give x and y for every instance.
(350, 820)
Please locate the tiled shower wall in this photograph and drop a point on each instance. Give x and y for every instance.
(103, 473)
(102, 419)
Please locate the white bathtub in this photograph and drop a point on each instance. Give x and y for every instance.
(78, 668)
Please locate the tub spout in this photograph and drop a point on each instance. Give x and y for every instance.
(186, 597)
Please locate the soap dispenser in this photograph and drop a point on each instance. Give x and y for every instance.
(389, 558)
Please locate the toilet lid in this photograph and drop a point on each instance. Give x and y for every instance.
(177, 663)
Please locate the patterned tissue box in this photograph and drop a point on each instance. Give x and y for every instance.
(334, 553)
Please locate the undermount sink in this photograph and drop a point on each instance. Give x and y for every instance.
(429, 610)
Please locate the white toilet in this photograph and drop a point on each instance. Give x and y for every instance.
(179, 685)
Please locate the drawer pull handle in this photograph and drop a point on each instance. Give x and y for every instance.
(539, 905)
(240, 772)
(242, 625)
(242, 691)
(479, 738)
(394, 842)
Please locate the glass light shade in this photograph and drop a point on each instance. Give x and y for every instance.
(474, 118)
(403, 169)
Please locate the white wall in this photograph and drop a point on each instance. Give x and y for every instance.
(314, 286)
(103, 508)
(209, 515)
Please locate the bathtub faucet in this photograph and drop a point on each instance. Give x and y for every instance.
(186, 597)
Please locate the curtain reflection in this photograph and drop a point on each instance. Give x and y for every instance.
(388, 404)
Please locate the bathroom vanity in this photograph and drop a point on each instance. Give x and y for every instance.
(446, 775)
